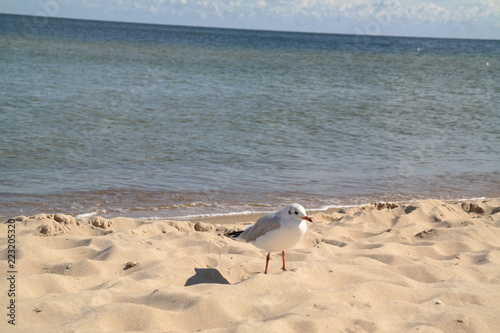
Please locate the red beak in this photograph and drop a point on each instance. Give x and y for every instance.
(307, 218)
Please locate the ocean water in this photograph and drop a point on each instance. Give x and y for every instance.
(166, 121)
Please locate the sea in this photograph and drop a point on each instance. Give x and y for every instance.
(159, 121)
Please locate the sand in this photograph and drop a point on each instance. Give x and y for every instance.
(425, 266)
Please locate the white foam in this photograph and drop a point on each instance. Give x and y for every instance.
(83, 215)
(79, 216)
(201, 216)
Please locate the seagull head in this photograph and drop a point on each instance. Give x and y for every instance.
(296, 212)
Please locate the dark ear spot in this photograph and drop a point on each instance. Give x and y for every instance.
(290, 211)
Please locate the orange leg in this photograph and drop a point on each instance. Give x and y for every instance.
(283, 259)
(267, 262)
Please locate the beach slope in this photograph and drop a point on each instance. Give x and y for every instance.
(424, 266)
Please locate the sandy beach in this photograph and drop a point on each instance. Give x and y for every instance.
(424, 266)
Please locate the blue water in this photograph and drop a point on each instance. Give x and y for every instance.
(164, 121)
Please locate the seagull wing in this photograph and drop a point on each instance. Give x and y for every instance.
(263, 225)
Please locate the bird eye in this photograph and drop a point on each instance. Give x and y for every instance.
(296, 213)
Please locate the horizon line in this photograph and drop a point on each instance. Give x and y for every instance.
(247, 29)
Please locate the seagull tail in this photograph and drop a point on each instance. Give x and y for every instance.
(234, 234)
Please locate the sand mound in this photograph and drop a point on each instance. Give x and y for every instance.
(426, 266)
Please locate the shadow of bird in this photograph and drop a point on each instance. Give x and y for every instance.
(206, 275)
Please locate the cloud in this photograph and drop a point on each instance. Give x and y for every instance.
(477, 11)
(428, 12)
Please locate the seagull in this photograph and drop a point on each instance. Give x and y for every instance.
(277, 231)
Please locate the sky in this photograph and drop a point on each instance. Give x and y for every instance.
(479, 19)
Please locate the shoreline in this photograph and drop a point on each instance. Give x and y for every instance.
(244, 216)
(251, 217)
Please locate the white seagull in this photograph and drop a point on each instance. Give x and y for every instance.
(277, 231)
